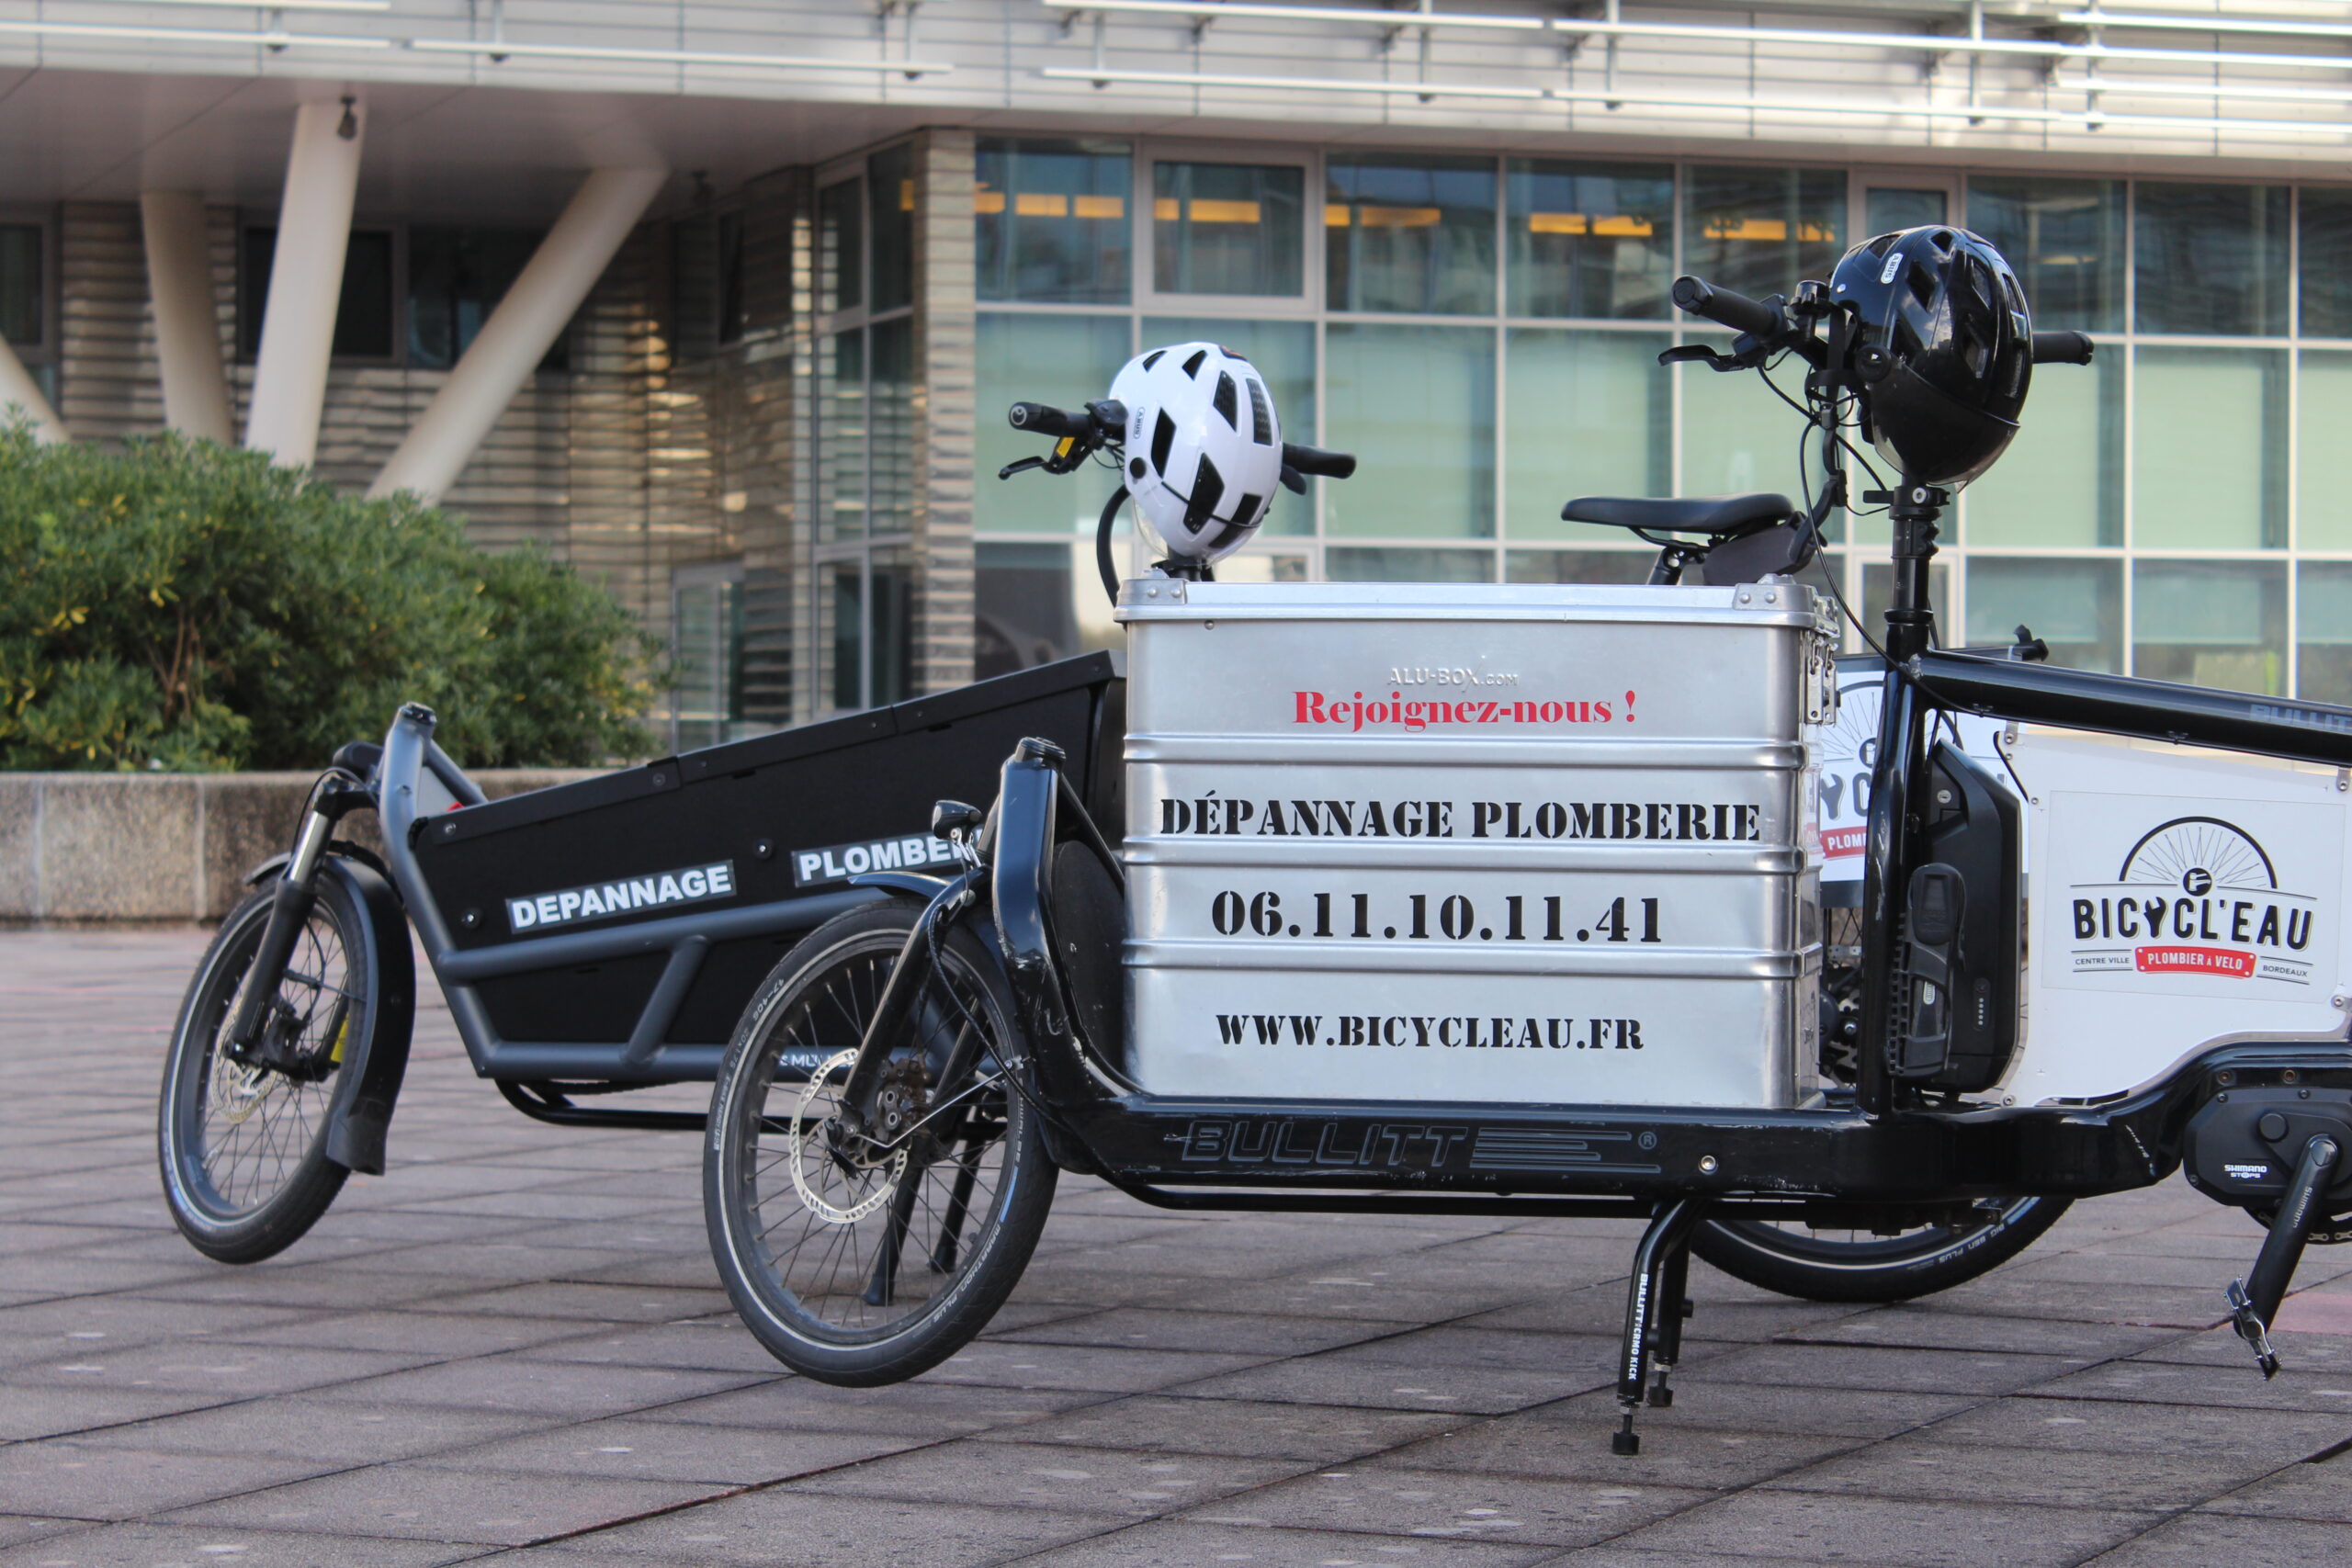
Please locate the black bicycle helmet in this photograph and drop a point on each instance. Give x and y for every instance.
(1944, 349)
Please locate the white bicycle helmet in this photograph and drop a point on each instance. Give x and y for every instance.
(1204, 448)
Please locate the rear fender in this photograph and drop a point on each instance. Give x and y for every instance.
(362, 1111)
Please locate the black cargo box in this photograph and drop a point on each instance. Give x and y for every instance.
(539, 892)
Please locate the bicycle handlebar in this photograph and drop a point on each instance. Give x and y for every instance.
(1315, 460)
(2061, 348)
(1046, 420)
(1725, 308)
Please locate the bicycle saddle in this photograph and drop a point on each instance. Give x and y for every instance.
(1716, 514)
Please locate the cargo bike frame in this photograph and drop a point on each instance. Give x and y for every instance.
(1013, 968)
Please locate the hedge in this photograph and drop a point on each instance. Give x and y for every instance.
(184, 605)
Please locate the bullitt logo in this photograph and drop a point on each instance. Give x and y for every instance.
(2195, 895)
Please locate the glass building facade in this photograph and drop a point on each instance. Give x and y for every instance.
(1484, 332)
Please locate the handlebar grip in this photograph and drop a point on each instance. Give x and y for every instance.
(1737, 311)
(1315, 460)
(1043, 419)
(2061, 348)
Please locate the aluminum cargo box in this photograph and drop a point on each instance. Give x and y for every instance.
(1543, 845)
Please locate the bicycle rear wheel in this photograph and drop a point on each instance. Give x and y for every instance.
(243, 1148)
(1826, 1265)
(852, 1268)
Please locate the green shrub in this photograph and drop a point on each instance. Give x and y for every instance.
(186, 605)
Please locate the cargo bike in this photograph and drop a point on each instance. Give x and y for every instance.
(1505, 900)
(1379, 899)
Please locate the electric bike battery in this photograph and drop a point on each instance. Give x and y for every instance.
(616, 928)
(1503, 844)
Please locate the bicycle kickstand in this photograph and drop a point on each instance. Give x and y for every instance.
(2254, 1300)
(1655, 1308)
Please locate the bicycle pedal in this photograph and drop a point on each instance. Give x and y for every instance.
(2252, 1329)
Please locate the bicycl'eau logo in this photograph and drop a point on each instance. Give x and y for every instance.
(2196, 896)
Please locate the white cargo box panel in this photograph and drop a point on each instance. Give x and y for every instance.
(2181, 898)
(1540, 845)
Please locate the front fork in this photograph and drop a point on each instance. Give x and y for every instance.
(252, 1042)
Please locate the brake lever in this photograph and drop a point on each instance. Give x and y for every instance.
(1700, 354)
(1292, 480)
(1022, 466)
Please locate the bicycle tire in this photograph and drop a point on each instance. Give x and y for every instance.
(1881, 1269)
(206, 1101)
(767, 1166)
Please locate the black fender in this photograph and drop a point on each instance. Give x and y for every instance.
(360, 852)
(362, 1111)
(923, 887)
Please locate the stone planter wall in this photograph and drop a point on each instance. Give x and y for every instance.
(160, 846)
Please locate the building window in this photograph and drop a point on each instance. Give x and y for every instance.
(2209, 259)
(2323, 643)
(455, 276)
(1053, 225)
(2211, 623)
(707, 704)
(1413, 235)
(1589, 413)
(731, 299)
(1228, 229)
(362, 318)
(2076, 606)
(2066, 240)
(1592, 240)
(2208, 448)
(867, 388)
(24, 285)
(2061, 482)
(1757, 231)
(1060, 359)
(1420, 400)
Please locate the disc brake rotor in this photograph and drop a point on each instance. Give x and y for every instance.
(238, 1089)
(809, 1143)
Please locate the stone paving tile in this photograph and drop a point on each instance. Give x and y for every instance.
(1878, 1530)
(1916, 1326)
(812, 1530)
(1311, 1433)
(1634, 1557)
(1187, 1543)
(598, 1303)
(1092, 1368)
(1328, 1379)
(2303, 1354)
(28, 1412)
(446, 1334)
(2204, 1540)
(706, 1346)
(1502, 1349)
(1673, 1453)
(1058, 1476)
(93, 1480)
(1170, 1328)
(1753, 1407)
(552, 1388)
(422, 1502)
(2318, 1492)
(1981, 1373)
(2327, 1391)
(174, 1546)
(240, 1371)
(923, 1409)
(677, 1451)
(15, 1529)
(1424, 1504)
(332, 1428)
(2126, 1427)
(1915, 1465)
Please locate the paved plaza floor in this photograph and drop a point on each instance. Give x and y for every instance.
(514, 1345)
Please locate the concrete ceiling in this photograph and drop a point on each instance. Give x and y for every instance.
(458, 153)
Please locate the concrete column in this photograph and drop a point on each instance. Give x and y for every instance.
(521, 331)
(305, 283)
(187, 333)
(20, 392)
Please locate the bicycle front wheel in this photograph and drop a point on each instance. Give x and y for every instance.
(850, 1263)
(243, 1147)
